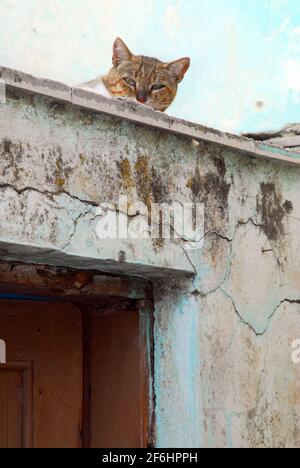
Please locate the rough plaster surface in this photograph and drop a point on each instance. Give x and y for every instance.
(225, 316)
(232, 328)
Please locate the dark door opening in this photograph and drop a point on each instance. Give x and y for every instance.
(76, 375)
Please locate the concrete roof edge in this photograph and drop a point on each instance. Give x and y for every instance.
(143, 115)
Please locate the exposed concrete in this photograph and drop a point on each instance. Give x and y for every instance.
(225, 315)
(70, 283)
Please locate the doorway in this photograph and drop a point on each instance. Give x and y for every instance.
(76, 374)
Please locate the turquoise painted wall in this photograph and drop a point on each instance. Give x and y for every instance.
(177, 378)
(245, 72)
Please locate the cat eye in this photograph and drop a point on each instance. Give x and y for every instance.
(157, 87)
(129, 82)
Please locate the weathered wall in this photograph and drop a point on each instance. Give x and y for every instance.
(59, 163)
(224, 352)
(225, 316)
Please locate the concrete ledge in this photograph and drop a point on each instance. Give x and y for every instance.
(145, 116)
(29, 254)
(32, 84)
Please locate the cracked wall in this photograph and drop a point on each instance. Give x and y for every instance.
(226, 315)
(232, 329)
(58, 163)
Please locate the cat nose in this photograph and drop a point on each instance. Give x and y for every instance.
(141, 96)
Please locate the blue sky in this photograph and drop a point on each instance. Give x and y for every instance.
(245, 68)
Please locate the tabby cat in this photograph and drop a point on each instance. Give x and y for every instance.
(143, 79)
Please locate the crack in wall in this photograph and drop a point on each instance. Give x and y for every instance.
(218, 234)
(270, 317)
(272, 244)
(197, 291)
(213, 232)
(76, 221)
(239, 314)
(188, 258)
(22, 190)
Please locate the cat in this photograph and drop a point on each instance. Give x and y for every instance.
(143, 79)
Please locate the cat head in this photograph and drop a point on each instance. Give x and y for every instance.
(144, 79)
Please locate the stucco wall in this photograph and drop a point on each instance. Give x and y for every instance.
(226, 315)
(224, 352)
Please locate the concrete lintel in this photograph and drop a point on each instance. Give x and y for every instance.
(41, 256)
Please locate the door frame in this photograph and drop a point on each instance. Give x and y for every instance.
(89, 291)
(27, 378)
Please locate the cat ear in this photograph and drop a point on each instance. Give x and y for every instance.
(179, 67)
(121, 53)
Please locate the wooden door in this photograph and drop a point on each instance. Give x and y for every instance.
(119, 380)
(48, 337)
(15, 405)
(74, 377)
(11, 408)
